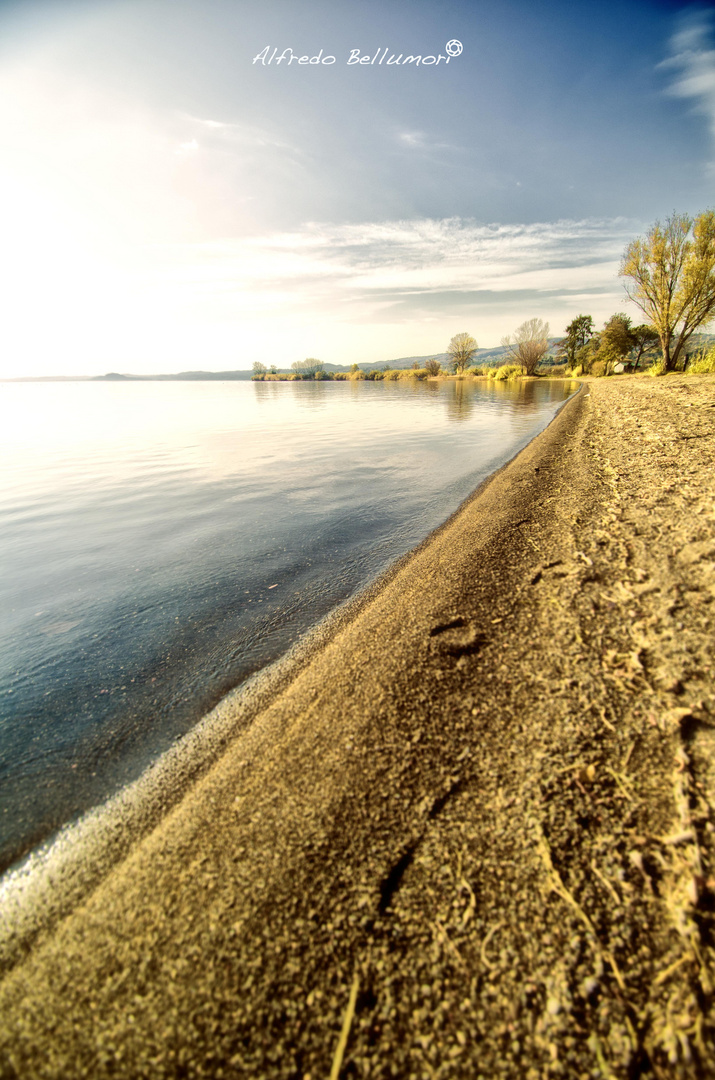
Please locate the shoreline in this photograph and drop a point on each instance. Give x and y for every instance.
(45, 885)
(483, 799)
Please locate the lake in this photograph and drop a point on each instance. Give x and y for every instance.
(162, 541)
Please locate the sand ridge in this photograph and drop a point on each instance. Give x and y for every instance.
(482, 813)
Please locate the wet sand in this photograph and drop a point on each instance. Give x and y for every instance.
(472, 832)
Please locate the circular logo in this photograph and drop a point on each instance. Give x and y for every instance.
(454, 47)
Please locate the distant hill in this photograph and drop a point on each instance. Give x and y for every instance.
(490, 357)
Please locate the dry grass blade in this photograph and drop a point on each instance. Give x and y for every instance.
(347, 1024)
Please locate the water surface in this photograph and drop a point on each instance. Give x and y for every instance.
(160, 542)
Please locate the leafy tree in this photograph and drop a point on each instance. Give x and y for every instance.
(645, 342)
(259, 368)
(354, 368)
(671, 278)
(274, 369)
(461, 349)
(578, 331)
(616, 339)
(433, 367)
(528, 344)
(308, 368)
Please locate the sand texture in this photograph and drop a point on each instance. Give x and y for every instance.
(474, 834)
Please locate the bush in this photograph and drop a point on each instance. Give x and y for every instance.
(599, 368)
(657, 368)
(703, 363)
(508, 371)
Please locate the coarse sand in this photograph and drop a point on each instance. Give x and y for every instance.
(472, 836)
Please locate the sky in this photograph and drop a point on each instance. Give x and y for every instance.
(174, 198)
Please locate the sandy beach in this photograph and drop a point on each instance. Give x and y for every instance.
(471, 836)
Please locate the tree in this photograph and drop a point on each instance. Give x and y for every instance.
(528, 344)
(671, 278)
(433, 367)
(578, 331)
(259, 368)
(645, 341)
(308, 368)
(616, 338)
(461, 349)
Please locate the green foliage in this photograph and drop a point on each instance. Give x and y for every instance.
(356, 376)
(658, 367)
(578, 332)
(507, 371)
(671, 278)
(354, 368)
(616, 339)
(433, 367)
(703, 363)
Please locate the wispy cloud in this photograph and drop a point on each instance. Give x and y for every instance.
(414, 139)
(692, 60)
(375, 265)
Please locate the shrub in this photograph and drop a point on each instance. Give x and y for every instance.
(599, 368)
(357, 376)
(657, 368)
(703, 363)
(509, 371)
(433, 367)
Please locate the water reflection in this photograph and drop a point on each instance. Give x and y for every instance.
(163, 541)
(460, 400)
(310, 395)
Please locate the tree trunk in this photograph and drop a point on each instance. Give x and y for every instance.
(665, 345)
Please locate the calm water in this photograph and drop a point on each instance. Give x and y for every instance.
(160, 542)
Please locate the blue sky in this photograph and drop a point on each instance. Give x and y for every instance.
(169, 203)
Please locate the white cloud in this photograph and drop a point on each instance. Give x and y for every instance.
(693, 61)
(373, 261)
(412, 138)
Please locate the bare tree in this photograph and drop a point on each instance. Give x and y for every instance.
(461, 349)
(672, 278)
(433, 367)
(528, 344)
(309, 368)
